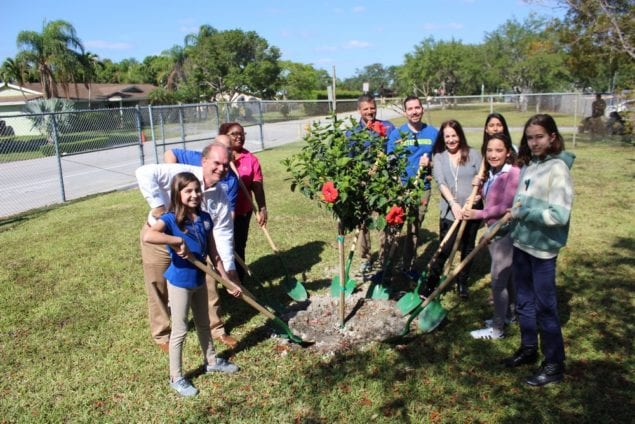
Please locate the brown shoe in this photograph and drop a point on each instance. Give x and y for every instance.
(228, 340)
(164, 346)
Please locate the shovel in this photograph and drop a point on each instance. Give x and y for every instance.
(250, 300)
(467, 206)
(428, 322)
(409, 301)
(377, 289)
(350, 284)
(275, 305)
(293, 286)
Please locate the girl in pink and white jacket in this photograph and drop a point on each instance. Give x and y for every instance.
(498, 191)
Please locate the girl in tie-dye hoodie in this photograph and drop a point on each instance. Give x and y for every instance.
(541, 212)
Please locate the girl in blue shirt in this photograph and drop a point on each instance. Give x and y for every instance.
(187, 230)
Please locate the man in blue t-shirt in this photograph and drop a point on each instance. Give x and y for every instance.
(418, 139)
(367, 108)
(229, 183)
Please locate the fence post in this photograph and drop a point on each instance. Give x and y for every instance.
(217, 116)
(575, 117)
(182, 126)
(154, 141)
(261, 119)
(140, 134)
(58, 155)
(491, 104)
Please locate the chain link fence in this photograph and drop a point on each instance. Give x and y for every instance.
(51, 158)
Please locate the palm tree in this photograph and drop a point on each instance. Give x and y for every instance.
(88, 72)
(177, 56)
(54, 53)
(16, 71)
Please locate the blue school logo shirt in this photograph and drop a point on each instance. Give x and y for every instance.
(181, 272)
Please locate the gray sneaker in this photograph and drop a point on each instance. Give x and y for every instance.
(489, 323)
(184, 387)
(221, 365)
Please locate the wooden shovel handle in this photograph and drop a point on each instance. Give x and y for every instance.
(489, 234)
(245, 295)
(467, 206)
(247, 193)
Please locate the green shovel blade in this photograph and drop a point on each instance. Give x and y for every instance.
(295, 289)
(431, 316)
(408, 303)
(336, 288)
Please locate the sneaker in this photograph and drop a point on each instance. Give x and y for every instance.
(365, 267)
(184, 387)
(222, 365)
(487, 333)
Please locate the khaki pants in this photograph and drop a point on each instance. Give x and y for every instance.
(156, 260)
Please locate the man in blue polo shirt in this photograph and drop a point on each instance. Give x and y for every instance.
(229, 183)
(368, 121)
(418, 139)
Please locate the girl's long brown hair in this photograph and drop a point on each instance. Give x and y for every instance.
(179, 182)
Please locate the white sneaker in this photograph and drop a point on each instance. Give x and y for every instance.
(488, 333)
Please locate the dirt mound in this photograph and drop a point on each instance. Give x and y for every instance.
(367, 320)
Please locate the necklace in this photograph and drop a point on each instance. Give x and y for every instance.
(454, 169)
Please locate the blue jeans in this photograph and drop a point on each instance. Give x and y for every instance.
(536, 304)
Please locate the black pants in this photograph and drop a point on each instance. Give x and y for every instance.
(241, 231)
(466, 245)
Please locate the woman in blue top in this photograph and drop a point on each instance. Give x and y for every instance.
(187, 230)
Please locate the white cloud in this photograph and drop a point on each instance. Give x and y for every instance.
(357, 44)
(359, 9)
(107, 45)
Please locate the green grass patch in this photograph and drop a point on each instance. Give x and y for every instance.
(75, 344)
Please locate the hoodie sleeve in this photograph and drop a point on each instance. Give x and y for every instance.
(552, 207)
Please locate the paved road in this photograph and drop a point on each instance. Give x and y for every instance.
(35, 183)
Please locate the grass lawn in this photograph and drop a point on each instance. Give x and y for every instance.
(75, 344)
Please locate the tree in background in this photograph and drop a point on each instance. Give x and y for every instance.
(224, 63)
(379, 79)
(599, 36)
(524, 57)
(299, 81)
(55, 53)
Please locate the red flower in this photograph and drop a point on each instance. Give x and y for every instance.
(377, 127)
(395, 215)
(329, 192)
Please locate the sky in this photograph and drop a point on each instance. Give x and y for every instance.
(345, 34)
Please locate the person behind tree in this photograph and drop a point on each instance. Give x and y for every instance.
(187, 230)
(498, 191)
(250, 174)
(418, 138)
(367, 108)
(598, 107)
(541, 216)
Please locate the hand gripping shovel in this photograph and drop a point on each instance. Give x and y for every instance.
(250, 300)
(409, 301)
(350, 284)
(293, 286)
(431, 314)
(275, 305)
(467, 206)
